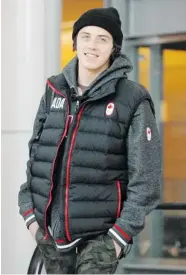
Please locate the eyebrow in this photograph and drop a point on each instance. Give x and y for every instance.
(100, 35)
(103, 35)
(85, 33)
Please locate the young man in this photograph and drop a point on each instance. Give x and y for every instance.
(94, 171)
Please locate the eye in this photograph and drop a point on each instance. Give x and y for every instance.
(102, 39)
(85, 36)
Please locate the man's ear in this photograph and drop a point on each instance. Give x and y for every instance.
(113, 49)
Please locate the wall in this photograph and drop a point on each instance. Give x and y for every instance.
(22, 87)
(174, 119)
(152, 17)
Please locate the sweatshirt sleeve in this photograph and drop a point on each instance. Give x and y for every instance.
(144, 175)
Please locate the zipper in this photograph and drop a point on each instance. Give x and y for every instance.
(77, 106)
(36, 139)
(54, 161)
(119, 198)
(68, 169)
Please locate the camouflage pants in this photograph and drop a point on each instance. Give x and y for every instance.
(95, 256)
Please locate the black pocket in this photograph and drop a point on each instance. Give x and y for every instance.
(109, 248)
(36, 234)
(35, 141)
(40, 233)
(108, 242)
(46, 246)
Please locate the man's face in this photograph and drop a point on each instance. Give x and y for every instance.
(94, 47)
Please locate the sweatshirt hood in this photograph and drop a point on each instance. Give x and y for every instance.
(118, 69)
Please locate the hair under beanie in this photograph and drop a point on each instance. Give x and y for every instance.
(106, 18)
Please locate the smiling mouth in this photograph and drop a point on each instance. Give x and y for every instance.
(91, 55)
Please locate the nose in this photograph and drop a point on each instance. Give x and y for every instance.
(92, 45)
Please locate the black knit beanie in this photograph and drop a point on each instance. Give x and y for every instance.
(106, 18)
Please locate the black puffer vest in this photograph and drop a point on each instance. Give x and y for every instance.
(94, 171)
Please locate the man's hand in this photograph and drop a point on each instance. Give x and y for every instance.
(117, 247)
(33, 228)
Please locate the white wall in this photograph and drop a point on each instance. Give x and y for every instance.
(24, 69)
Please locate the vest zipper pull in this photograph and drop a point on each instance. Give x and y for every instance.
(77, 105)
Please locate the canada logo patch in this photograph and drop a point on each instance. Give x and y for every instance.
(149, 134)
(110, 109)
